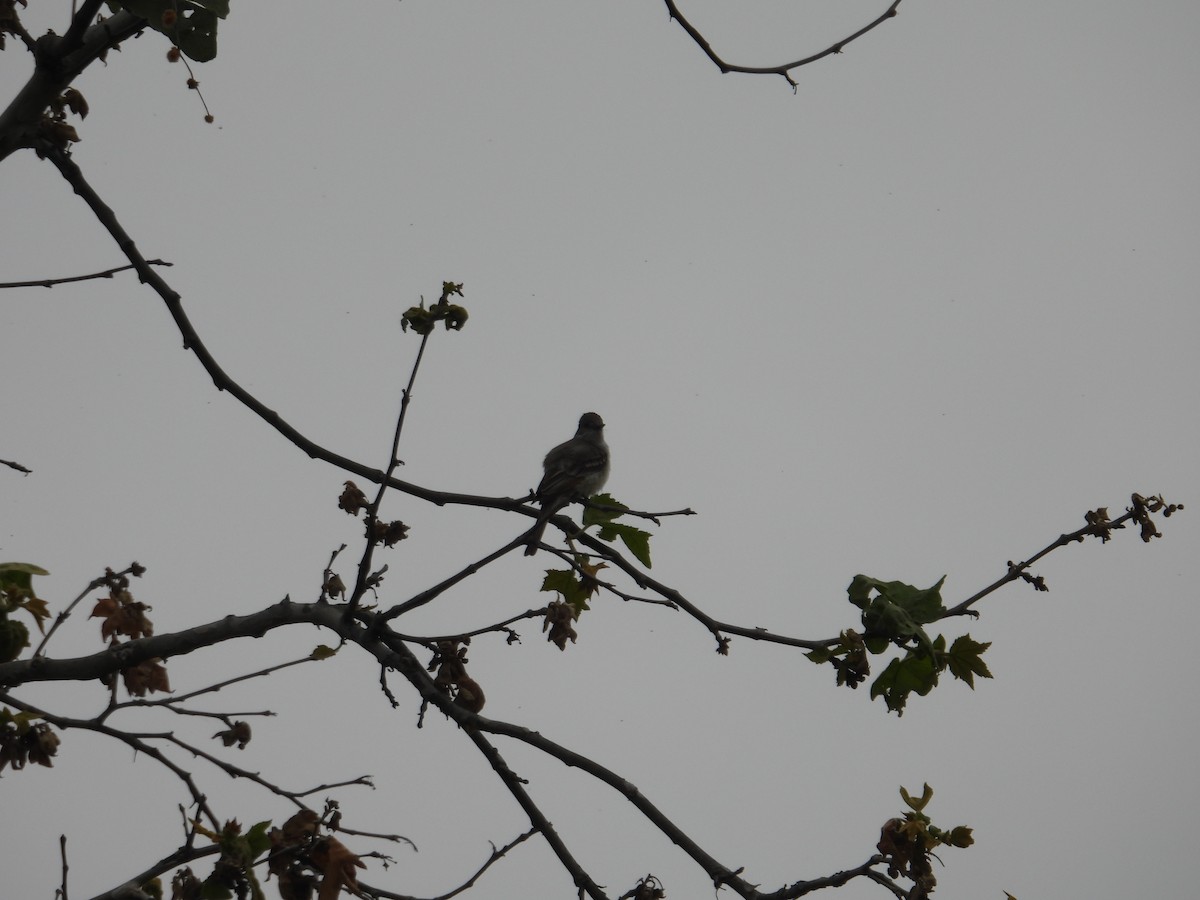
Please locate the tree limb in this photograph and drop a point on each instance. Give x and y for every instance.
(51, 282)
(783, 69)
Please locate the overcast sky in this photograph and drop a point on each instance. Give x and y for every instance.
(911, 321)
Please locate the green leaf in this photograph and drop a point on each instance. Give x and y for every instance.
(876, 643)
(22, 720)
(322, 651)
(895, 610)
(569, 586)
(916, 673)
(257, 840)
(19, 576)
(964, 660)
(194, 29)
(917, 805)
(960, 836)
(211, 890)
(635, 539)
(821, 655)
(923, 605)
(611, 509)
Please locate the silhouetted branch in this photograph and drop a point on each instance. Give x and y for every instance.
(1098, 526)
(51, 282)
(180, 857)
(784, 69)
(58, 61)
(192, 341)
(133, 569)
(495, 856)
(537, 818)
(137, 742)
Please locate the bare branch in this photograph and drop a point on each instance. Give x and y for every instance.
(137, 742)
(361, 584)
(837, 879)
(62, 849)
(537, 818)
(432, 593)
(172, 703)
(192, 341)
(51, 282)
(496, 855)
(783, 69)
(83, 18)
(180, 857)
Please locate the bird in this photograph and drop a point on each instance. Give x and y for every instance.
(575, 469)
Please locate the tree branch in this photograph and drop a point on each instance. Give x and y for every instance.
(180, 857)
(537, 818)
(137, 742)
(1098, 526)
(192, 341)
(58, 62)
(51, 282)
(784, 69)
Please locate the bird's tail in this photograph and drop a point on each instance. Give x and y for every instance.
(539, 527)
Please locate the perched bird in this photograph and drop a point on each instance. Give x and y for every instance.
(575, 469)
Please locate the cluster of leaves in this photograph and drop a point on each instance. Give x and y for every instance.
(1141, 508)
(422, 320)
(603, 510)
(237, 733)
(16, 593)
(450, 663)
(305, 863)
(299, 849)
(648, 888)
(233, 873)
(354, 501)
(23, 740)
(190, 25)
(895, 613)
(10, 22)
(54, 127)
(124, 617)
(907, 843)
(576, 586)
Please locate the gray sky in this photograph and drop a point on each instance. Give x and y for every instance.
(912, 321)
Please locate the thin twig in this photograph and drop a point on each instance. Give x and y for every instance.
(432, 642)
(223, 382)
(1018, 570)
(132, 569)
(431, 593)
(62, 849)
(137, 742)
(496, 855)
(171, 702)
(107, 273)
(180, 857)
(516, 786)
(784, 69)
(361, 582)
